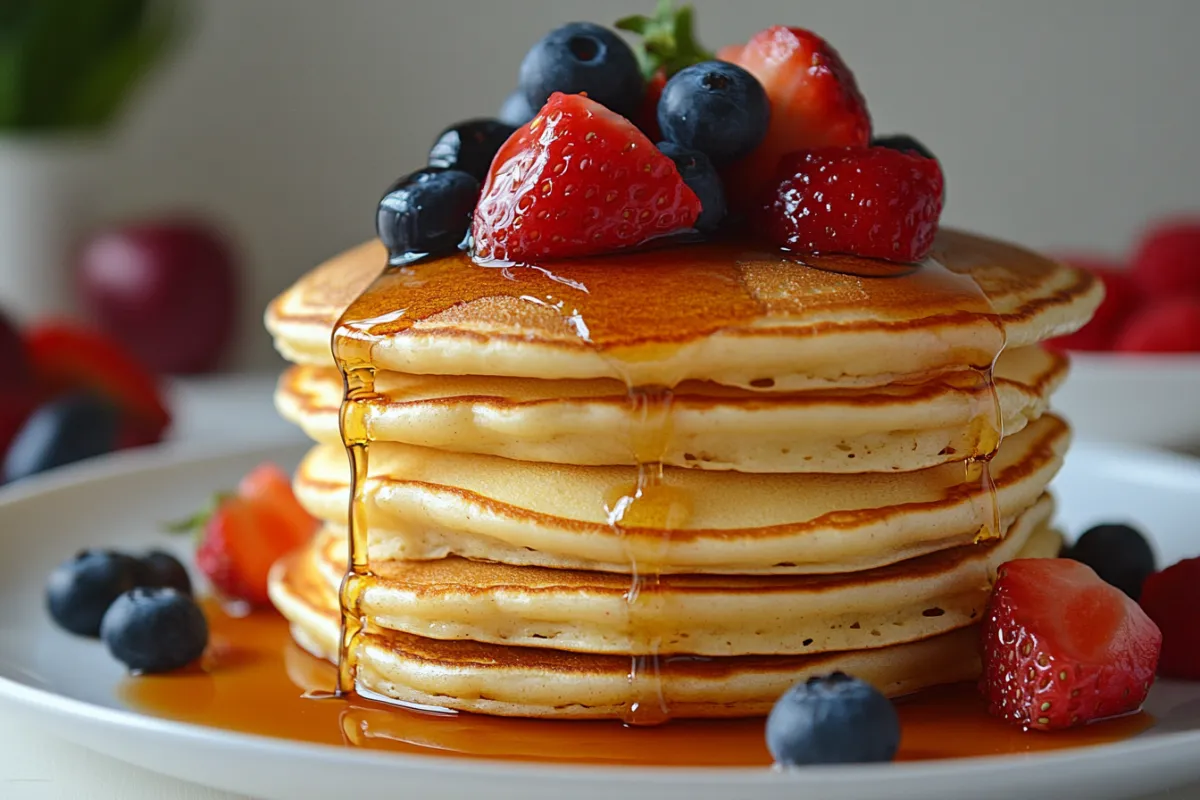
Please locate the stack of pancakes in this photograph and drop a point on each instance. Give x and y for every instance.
(673, 483)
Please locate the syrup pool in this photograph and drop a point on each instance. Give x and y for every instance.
(254, 679)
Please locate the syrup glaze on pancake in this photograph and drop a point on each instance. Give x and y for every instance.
(655, 319)
(885, 429)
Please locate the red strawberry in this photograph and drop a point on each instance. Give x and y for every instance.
(1167, 260)
(245, 534)
(1121, 298)
(1062, 648)
(815, 102)
(68, 357)
(578, 180)
(647, 116)
(1164, 326)
(1172, 599)
(872, 202)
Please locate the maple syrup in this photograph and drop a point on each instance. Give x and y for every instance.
(254, 679)
(698, 291)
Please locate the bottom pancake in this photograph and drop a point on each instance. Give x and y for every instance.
(535, 682)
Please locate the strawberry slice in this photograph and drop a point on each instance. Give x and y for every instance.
(243, 535)
(1062, 648)
(815, 102)
(578, 180)
(1172, 599)
(68, 357)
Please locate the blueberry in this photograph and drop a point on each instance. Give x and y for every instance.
(470, 146)
(154, 629)
(62, 432)
(702, 178)
(582, 57)
(1119, 554)
(161, 569)
(81, 589)
(516, 110)
(903, 143)
(717, 108)
(426, 213)
(834, 719)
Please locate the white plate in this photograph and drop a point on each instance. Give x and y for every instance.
(67, 684)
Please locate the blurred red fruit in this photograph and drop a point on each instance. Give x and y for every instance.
(166, 290)
(1163, 326)
(1121, 299)
(14, 360)
(1167, 260)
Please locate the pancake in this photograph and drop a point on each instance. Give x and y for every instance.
(714, 312)
(427, 503)
(711, 615)
(892, 428)
(535, 682)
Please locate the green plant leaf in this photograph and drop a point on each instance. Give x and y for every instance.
(668, 39)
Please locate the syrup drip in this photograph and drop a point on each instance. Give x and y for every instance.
(604, 303)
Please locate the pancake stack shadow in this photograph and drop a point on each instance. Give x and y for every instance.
(821, 453)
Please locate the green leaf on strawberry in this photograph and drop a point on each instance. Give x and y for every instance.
(668, 39)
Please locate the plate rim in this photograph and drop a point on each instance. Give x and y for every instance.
(28, 698)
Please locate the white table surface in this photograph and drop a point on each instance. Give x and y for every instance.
(37, 766)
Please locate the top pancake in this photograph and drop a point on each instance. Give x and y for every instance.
(716, 312)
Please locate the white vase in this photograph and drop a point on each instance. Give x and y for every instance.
(45, 205)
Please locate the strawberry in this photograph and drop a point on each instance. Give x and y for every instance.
(1168, 325)
(68, 357)
(647, 116)
(1062, 648)
(1167, 260)
(1172, 599)
(578, 180)
(815, 102)
(1121, 298)
(243, 535)
(871, 202)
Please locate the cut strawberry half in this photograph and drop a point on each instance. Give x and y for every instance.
(1062, 648)
(815, 102)
(578, 180)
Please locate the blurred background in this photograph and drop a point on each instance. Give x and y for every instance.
(277, 124)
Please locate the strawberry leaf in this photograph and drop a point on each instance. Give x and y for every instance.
(668, 39)
(195, 523)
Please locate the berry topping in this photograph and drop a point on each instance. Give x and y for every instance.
(244, 534)
(1169, 325)
(717, 108)
(426, 213)
(81, 589)
(833, 719)
(1119, 554)
(668, 44)
(583, 58)
(1062, 648)
(1167, 260)
(701, 177)
(516, 110)
(63, 431)
(70, 358)
(155, 630)
(903, 143)
(576, 181)
(160, 569)
(1172, 599)
(1120, 301)
(870, 202)
(815, 102)
(470, 146)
